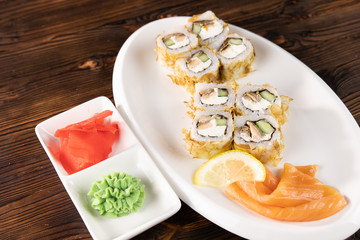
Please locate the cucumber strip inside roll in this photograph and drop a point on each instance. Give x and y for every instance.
(212, 125)
(214, 96)
(258, 100)
(198, 62)
(265, 94)
(256, 131)
(176, 40)
(232, 47)
(207, 28)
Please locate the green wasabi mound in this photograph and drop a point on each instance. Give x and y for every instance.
(117, 195)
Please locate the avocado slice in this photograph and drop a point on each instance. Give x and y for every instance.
(221, 122)
(235, 41)
(265, 94)
(196, 28)
(222, 92)
(203, 57)
(169, 42)
(265, 127)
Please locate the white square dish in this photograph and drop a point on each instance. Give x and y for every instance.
(128, 156)
(45, 130)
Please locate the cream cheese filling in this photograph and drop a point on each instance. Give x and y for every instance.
(211, 30)
(212, 130)
(247, 135)
(178, 44)
(196, 65)
(232, 50)
(213, 99)
(256, 106)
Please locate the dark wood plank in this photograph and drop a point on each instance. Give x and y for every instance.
(57, 54)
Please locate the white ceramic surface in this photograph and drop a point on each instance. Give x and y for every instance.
(127, 156)
(320, 131)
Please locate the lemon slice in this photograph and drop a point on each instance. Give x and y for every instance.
(228, 167)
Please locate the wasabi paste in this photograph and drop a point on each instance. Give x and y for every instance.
(117, 195)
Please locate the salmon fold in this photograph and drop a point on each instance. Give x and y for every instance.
(296, 196)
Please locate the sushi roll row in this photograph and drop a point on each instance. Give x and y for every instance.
(243, 119)
(240, 100)
(203, 51)
(207, 60)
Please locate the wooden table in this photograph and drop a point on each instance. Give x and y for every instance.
(55, 55)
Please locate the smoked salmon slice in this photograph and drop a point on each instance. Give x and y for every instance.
(296, 196)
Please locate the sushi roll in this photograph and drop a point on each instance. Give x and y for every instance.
(171, 45)
(211, 133)
(259, 135)
(211, 96)
(262, 99)
(201, 65)
(210, 29)
(236, 55)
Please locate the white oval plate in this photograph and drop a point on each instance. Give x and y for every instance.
(320, 131)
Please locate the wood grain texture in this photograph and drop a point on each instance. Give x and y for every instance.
(57, 54)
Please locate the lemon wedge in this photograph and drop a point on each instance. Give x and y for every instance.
(228, 167)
